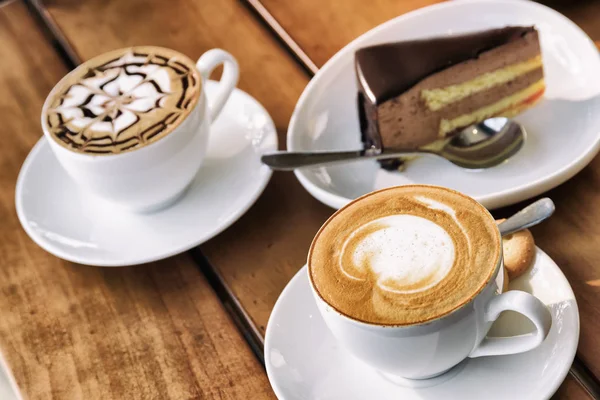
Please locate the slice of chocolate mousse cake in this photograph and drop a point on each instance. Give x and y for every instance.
(415, 93)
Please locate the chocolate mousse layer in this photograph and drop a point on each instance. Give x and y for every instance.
(465, 75)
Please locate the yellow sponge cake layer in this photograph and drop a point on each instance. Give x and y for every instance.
(500, 73)
(518, 100)
(436, 99)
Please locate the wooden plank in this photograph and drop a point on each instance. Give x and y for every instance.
(259, 254)
(68, 331)
(322, 28)
(320, 34)
(571, 390)
(584, 13)
(191, 27)
(572, 238)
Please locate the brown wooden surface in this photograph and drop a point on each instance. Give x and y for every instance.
(571, 390)
(586, 13)
(74, 332)
(191, 27)
(192, 346)
(571, 237)
(261, 252)
(321, 28)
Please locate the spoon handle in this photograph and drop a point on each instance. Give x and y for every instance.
(288, 160)
(531, 215)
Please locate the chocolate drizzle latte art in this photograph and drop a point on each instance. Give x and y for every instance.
(122, 100)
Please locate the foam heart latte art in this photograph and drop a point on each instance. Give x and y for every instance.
(404, 255)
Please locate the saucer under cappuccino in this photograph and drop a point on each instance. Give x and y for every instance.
(405, 255)
(405, 279)
(122, 100)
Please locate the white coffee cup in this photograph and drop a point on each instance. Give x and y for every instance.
(423, 351)
(153, 176)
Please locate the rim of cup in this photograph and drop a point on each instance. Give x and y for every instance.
(491, 280)
(199, 101)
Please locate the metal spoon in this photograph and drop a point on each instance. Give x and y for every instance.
(478, 146)
(531, 215)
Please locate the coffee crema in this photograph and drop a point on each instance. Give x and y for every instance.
(122, 100)
(404, 255)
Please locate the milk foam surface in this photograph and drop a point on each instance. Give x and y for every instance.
(122, 100)
(407, 253)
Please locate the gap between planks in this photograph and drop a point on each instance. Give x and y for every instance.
(235, 310)
(230, 302)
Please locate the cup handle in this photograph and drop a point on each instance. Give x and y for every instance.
(231, 73)
(523, 303)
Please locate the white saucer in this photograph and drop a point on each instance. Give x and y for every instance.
(563, 130)
(77, 227)
(304, 362)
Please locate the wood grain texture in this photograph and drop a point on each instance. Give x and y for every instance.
(322, 28)
(191, 27)
(571, 390)
(69, 331)
(584, 13)
(570, 238)
(262, 251)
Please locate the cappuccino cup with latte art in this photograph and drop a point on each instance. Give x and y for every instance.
(406, 280)
(131, 126)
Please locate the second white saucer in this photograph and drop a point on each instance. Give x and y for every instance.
(74, 226)
(325, 117)
(304, 361)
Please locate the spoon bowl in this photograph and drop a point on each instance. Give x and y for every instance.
(482, 145)
(486, 144)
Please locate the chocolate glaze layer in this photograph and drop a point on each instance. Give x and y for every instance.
(386, 70)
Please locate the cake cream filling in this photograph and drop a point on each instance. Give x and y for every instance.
(438, 98)
(499, 108)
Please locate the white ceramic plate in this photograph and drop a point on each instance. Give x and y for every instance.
(72, 225)
(304, 361)
(563, 130)
(8, 387)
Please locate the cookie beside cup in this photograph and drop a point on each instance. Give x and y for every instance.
(519, 252)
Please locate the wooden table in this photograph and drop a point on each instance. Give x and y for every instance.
(191, 327)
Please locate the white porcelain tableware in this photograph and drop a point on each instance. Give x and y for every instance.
(563, 130)
(74, 225)
(426, 350)
(8, 387)
(155, 175)
(304, 361)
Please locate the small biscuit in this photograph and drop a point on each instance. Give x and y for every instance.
(519, 250)
(506, 280)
